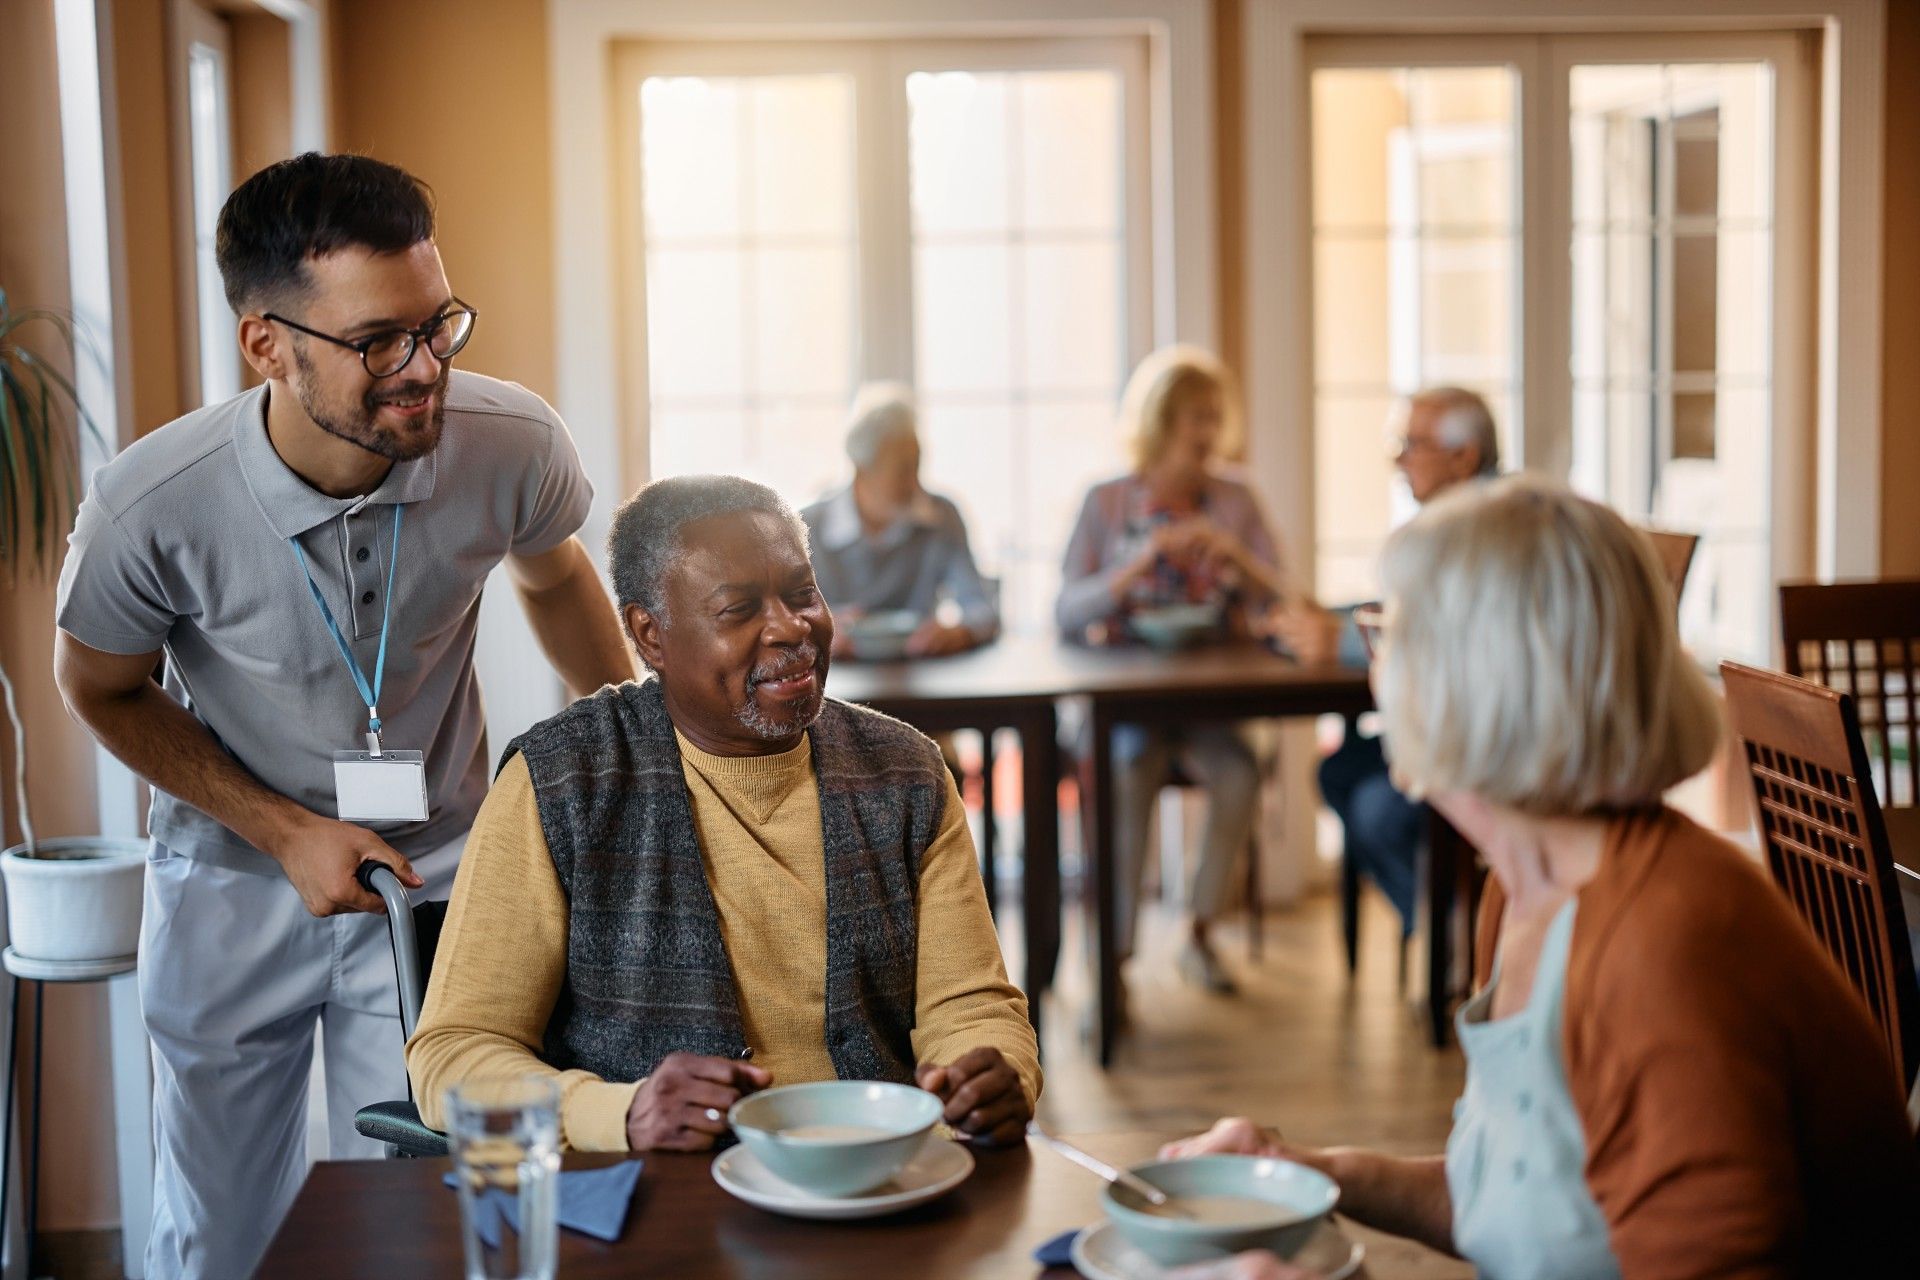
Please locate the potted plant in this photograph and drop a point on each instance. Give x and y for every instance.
(73, 901)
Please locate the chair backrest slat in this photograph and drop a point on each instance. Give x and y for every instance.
(1825, 839)
(1863, 638)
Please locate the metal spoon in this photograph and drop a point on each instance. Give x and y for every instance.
(1139, 1186)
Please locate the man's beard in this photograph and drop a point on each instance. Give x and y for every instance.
(801, 658)
(361, 425)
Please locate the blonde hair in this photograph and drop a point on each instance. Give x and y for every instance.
(1155, 391)
(1530, 656)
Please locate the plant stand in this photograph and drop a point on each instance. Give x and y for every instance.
(39, 972)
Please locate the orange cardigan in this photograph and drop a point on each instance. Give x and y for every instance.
(1741, 1114)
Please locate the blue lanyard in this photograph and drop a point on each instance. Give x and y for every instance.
(370, 692)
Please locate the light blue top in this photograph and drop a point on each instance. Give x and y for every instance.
(1517, 1155)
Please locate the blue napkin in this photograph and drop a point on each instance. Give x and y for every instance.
(1057, 1252)
(592, 1201)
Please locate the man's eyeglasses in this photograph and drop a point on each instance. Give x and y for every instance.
(391, 350)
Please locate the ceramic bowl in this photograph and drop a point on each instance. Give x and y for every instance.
(836, 1137)
(1301, 1198)
(1175, 626)
(883, 636)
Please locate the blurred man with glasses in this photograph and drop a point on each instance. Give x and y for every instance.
(307, 559)
(1447, 438)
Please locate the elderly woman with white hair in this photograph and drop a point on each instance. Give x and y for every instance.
(883, 543)
(1176, 529)
(1666, 1075)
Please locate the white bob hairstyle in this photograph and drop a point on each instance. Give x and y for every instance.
(1529, 656)
(881, 411)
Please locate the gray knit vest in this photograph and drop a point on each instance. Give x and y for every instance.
(647, 969)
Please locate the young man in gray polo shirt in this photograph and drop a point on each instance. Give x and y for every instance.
(255, 545)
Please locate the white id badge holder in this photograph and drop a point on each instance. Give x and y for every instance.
(389, 787)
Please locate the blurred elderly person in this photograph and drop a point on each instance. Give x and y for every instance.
(884, 544)
(1447, 438)
(1666, 1075)
(1176, 529)
(685, 889)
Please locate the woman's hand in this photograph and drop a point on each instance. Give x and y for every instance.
(1255, 1265)
(1234, 1136)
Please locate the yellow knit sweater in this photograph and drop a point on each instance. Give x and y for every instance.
(503, 954)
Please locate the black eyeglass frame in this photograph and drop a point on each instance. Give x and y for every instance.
(414, 337)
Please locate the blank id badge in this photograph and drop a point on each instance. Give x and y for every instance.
(389, 787)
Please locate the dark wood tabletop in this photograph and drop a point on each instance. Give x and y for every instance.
(371, 1219)
(1031, 669)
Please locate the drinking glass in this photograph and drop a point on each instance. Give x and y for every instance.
(504, 1137)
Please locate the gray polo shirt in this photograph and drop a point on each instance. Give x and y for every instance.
(182, 544)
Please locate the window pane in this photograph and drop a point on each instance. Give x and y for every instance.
(963, 303)
(1466, 305)
(1069, 181)
(1074, 316)
(804, 335)
(1672, 298)
(749, 245)
(799, 186)
(695, 316)
(1021, 305)
(958, 138)
(1351, 318)
(1415, 263)
(1354, 112)
(690, 155)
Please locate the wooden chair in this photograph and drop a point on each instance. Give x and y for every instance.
(1863, 639)
(1676, 556)
(1825, 839)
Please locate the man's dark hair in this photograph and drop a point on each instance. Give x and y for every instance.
(308, 207)
(649, 530)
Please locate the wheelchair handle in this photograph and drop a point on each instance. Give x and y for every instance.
(378, 878)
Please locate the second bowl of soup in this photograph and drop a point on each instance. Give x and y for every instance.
(1220, 1205)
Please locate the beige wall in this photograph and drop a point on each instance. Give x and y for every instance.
(472, 121)
(1900, 269)
(262, 107)
(77, 1181)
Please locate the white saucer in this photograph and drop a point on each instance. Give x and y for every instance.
(939, 1167)
(67, 970)
(1102, 1253)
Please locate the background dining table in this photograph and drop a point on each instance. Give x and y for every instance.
(1017, 683)
(372, 1219)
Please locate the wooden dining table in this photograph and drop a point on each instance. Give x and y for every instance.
(1017, 682)
(372, 1219)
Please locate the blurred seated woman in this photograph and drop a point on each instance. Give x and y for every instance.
(1666, 1076)
(1175, 530)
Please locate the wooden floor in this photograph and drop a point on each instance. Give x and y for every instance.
(1327, 1060)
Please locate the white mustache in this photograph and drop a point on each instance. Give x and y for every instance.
(803, 660)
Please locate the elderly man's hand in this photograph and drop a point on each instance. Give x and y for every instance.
(683, 1105)
(1257, 1265)
(1311, 633)
(983, 1095)
(935, 639)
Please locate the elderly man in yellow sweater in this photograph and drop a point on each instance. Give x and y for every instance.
(686, 889)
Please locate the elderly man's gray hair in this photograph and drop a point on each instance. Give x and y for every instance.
(1464, 420)
(648, 536)
(881, 411)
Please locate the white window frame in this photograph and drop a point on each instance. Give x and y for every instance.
(594, 391)
(1840, 533)
(884, 311)
(190, 22)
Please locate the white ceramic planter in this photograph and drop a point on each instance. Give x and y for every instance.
(76, 899)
